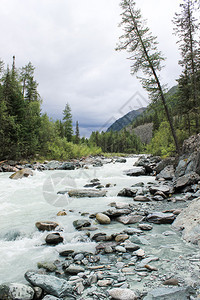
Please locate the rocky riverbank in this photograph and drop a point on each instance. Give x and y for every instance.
(142, 259)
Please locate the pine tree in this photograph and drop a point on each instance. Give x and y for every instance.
(186, 28)
(77, 134)
(138, 40)
(67, 124)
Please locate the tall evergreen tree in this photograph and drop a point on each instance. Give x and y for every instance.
(77, 134)
(186, 28)
(67, 124)
(138, 40)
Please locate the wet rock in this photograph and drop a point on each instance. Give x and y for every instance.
(81, 223)
(166, 189)
(167, 173)
(146, 261)
(93, 184)
(49, 297)
(102, 218)
(178, 293)
(120, 205)
(132, 231)
(103, 246)
(142, 199)
(131, 246)
(171, 281)
(74, 269)
(114, 213)
(130, 219)
(51, 267)
(22, 173)
(122, 294)
(66, 166)
(148, 162)
(121, 160)
(46, 225)
(54, 238)
(127, 192)
(121, 238)
(53, 165)
(104, 282)
(188, 221)
(160, 218)
(186, 180)
(145, 227)
(164, 163)
(61, 213)
(50, 284)
(136, 171)
(66, 252)
(16, 291)
(86, 193)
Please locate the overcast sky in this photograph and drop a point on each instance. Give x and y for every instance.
(72, 44)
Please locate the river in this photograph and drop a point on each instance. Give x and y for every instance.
(24, 202)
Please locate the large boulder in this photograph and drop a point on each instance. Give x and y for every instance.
(171, 293)
(50, 284)
(167, 173)
(16, 291)
(188, 222)
(148, 163)
(21, 173)
(186, 180)
(136, 171)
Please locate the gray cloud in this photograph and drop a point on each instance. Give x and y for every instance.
(71, 43)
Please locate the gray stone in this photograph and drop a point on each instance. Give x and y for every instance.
(50, 284)
(142, 199)
(54, 238)
(186, 180)
(127, 192)
(145, 227)
(160, 218)
(121, 160)
(136, 171)
(81, 223)
(90, 193)
(66, 166)
(166, 189)
(51, 267)
(167, 173)
(122, 294)
(130, 219)
(113, 213)
(49, 297)
(177, 293)
(188, 222)
(74, 269)
(17, 291)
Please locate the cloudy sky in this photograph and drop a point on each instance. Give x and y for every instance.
(72, 44)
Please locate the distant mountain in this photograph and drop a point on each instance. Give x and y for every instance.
(126, 119)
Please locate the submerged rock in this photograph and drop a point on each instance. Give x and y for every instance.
(50, 284)
(81, 223)
(21, 173)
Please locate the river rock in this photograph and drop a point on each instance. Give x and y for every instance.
(49, 297)
(136, 171)
(176, 293)
(121, 238)
(54, 238)
(141, 198)
(160, 218)
(145, 227)
(67, 166)
(104, 282)
(127, 192)
(188, 222)
(21, 173)
(129, 219)
(131, 246)
(167, 173)
(164, 163)
(166, 189)
(186, 180)
(102, 218)
(171, 281)
(121, 160)
(53, 164)
(122, 294)
(148, 162)
(81, 223)
(50, 284)
(74, 269)
(17, 291)
(90, 193)
(120, 205)
(61, 213)
(46, 225)
(50, 267)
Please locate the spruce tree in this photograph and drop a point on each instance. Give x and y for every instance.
(139, 41)
(77, 134)
(67, 124)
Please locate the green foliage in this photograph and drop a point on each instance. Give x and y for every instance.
(67, 124)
